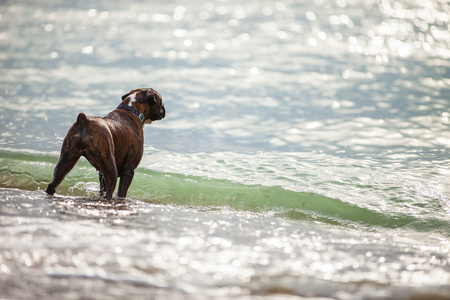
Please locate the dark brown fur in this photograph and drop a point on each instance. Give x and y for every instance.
(113, 145)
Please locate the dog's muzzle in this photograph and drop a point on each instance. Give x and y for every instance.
(160, 114)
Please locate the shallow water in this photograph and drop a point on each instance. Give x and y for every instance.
(304, 151)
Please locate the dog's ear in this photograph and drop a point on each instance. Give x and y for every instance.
(145, 96)
(153, 93)
(125, 96)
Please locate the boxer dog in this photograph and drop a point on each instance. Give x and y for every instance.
(114, 144)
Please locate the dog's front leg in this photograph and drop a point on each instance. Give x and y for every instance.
(125, 181)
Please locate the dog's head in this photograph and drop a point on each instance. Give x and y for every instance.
(148, 102)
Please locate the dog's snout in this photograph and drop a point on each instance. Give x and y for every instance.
(162, 111)
(160, 114)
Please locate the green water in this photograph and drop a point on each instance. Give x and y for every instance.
(33, 172)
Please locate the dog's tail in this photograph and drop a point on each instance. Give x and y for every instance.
(83, 128)
(82, 120)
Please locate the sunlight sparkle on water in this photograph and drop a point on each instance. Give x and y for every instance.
(305, 149)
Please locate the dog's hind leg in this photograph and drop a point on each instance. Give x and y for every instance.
(98, 148)
(110, 174)
(68, 159)
(104, 162)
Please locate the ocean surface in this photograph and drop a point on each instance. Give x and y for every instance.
(305, 150)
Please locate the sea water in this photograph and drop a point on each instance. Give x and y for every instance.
(305, 150)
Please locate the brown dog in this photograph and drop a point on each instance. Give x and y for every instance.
(114, 144)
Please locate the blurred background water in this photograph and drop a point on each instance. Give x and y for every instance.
(305, 150)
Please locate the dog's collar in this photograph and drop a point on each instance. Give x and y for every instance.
(129, 108)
